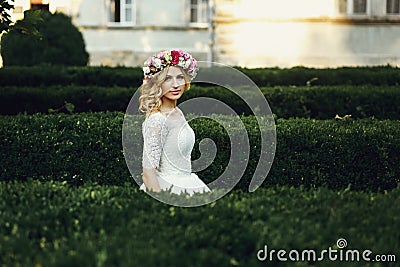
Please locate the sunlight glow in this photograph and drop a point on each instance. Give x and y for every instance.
(281, 41)
(284, 9)
(267, 34)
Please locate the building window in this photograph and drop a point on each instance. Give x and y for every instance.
(359, 6)
(343, 6)
(393, 7)
(199, 11)
(353, 7)
(122, 11)
(40, 6)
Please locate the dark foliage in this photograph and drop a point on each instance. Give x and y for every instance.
(59, 43)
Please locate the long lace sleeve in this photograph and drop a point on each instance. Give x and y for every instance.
(154, 133)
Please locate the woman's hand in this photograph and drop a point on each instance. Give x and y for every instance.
(150, 180)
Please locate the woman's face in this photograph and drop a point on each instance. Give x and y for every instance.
(174, 84)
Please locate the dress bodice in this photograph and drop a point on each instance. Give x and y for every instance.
(168, 143)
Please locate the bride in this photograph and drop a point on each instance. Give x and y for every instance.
(168, 138)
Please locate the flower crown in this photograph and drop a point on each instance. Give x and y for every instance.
(176, 57)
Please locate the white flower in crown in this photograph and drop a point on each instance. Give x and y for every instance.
(157, 62)
(146, 70)
(181, 62)
(187, 63)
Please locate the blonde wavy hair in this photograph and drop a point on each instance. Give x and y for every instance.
(151, 92)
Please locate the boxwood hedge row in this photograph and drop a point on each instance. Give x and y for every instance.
(320, 102)
(87, 147)
(54, 224)
(123, 76)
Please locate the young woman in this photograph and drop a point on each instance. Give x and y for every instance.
(168, 138)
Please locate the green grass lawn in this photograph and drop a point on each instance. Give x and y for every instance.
(56, 224)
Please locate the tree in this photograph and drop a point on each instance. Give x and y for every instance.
(5, 18)
(31, 19)
(59, 43)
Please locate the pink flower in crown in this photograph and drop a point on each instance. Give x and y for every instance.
(160, 55)
(150, 61)
(186, 55)
(192, 66)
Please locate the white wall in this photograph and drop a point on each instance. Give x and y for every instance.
(159, 25)
(286, 33)
(89, 13)
(131, 47)
(316, 44)
(162, 13)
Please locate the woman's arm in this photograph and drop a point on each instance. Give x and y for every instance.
(150, 180)
(154, 134)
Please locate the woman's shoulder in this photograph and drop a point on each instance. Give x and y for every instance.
(155, 117)
(164, 115)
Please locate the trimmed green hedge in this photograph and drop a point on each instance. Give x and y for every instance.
(379, 75)
(87, 147)
(54, 224)
(320, 102)
(121, 76)
(61, 75)
(14, 100)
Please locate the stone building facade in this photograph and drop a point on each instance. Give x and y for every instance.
(249, 33)
(327, 33)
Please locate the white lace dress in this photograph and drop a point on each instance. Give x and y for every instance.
(168, 143)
